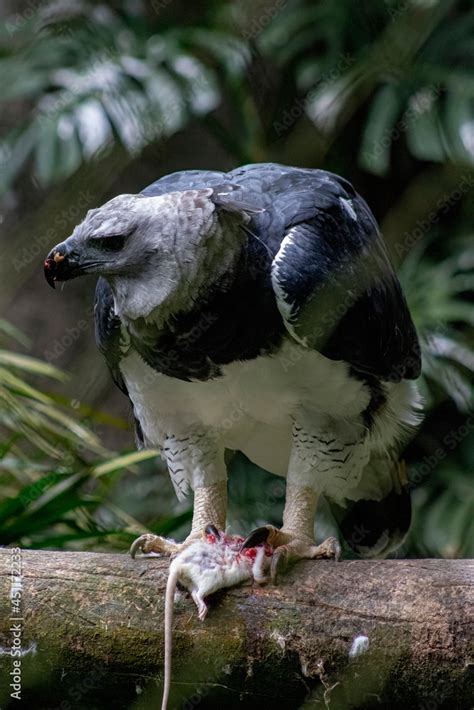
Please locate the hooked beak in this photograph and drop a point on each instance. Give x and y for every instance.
(60, 265)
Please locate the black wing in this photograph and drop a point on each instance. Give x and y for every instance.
(338, 293)
(335, 286)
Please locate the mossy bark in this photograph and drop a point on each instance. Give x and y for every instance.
(92, 626)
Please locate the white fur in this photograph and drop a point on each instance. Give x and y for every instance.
(204, 568)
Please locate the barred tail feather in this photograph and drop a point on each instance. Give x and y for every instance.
(375, 528)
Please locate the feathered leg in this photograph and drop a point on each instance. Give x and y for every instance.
(197, 461)
(295, 539)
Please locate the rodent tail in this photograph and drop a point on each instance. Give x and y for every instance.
(169, 604)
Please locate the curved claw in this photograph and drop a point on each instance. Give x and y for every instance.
(212, 530)
(137, 546)
(297, 549)
(279, 562)
(257, 537)
(329, 549)
(154, 543)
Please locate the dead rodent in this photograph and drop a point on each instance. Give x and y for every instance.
(204, 567)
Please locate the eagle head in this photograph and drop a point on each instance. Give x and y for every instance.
(150, 249)
(114, 239)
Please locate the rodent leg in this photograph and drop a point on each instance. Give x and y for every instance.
(200, 603)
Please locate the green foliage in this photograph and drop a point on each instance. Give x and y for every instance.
(438, 296)
(446, 525)
(95, 79)
(409, 65)
(56, 479)
(27, 412)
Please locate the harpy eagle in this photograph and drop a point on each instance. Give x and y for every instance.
(258, 311)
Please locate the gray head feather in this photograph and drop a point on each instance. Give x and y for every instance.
(159, 253)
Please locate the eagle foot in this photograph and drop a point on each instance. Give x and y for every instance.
(289, 547)
(156, 544)
(149, 543)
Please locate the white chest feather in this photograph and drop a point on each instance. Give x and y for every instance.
(251, 396)
(251, 407)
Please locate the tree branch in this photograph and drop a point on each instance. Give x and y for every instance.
(353, 634)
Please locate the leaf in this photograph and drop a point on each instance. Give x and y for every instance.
(458, 122)
(14, 333)
(30, 364)
(10, 380)
(46, 151)
(167, 525)
(28, 524)
(374, 155)
(7, 445)
(425, 136)
(456, 385)
(124, 461)
(50, 507)
(21, 80)
(90, 413)
(26, 496)
(443, 346)
(69, 147)
(231, 52)
(70, 426)
(17, 148)
(94, 132)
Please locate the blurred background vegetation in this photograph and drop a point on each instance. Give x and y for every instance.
(102, 98)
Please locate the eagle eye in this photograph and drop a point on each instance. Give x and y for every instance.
(114, 242)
